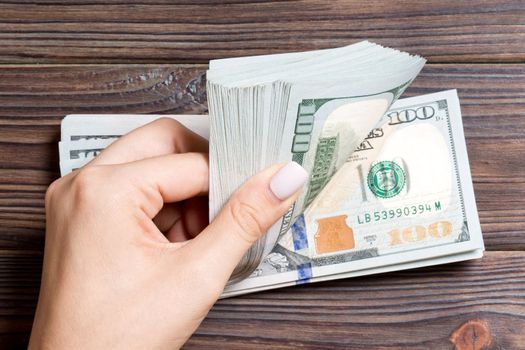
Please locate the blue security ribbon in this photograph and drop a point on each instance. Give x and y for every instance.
(300, 241)
(304, 273)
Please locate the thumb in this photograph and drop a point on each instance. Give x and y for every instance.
(249, 213)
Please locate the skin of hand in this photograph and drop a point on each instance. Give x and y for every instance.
(130, 261)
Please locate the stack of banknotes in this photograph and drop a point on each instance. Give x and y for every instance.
(389, 186)
(311, 107)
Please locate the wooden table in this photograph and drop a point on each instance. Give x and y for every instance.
(115, 56)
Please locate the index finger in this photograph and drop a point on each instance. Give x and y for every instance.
(166, 179)
(161, 137)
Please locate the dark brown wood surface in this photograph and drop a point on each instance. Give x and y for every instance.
(125, 57)
(54, 31)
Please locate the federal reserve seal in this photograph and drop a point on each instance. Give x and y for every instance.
(386, 179)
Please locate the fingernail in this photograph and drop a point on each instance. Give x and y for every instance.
(288, 180)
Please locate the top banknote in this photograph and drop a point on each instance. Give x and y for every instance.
(314, 108)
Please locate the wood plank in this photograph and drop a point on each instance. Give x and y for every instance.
(116, 31)
(418, 309)
(415, 309)
(33, 99)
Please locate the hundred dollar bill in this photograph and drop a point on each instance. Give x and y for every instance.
(84, 148)
(310, 118)
(77, 127)
(403, 198)
(75, 154)
(85, 136)
(447, 259)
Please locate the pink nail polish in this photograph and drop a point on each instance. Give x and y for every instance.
(288, 180)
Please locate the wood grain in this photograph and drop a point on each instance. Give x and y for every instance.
(116, 31)
(34, 99)
(415, 309)
(418, 309)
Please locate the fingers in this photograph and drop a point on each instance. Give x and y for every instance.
(183, 220)
(160, 137)
(165, 179)
(168, 216)
(195, 215)
(249, 213)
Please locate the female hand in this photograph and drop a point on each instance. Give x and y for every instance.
(130, 262)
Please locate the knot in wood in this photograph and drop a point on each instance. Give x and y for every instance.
(472, 335)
